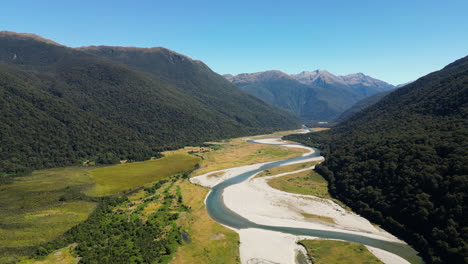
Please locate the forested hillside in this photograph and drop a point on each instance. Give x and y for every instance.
(194, 78)
(403, 163)
(61, 105)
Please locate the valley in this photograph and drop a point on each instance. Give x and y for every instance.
(270, 222)
(164, 198)
(132, 155)
(67, 196)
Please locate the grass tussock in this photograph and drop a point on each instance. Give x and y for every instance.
(314, 217)
(322, 251)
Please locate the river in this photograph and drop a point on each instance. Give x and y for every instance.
(223, 215)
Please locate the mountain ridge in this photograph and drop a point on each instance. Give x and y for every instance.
(122, 111)
(318, 95)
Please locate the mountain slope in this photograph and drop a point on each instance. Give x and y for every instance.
(362, 104)
(196, 79)
(357, 83)
(317, 95)
(402, 162)
(308, 101)
(61, 105)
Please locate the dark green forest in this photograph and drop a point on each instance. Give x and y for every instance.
(403, 163)
(62, 106)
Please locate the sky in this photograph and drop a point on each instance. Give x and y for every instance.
(395, 41)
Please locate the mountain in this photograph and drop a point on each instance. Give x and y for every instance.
(194, 78)
(308, 101)
(402, 163)
(62, 105)
(366, 102)
(358, 83)
(403, 84)
(316, 95)
(362, 104)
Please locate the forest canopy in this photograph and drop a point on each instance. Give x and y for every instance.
(62, 106)
(403, 163)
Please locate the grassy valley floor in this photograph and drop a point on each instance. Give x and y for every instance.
(38, 209)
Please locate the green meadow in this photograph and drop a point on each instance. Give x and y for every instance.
(115, 179)
(305, 182)
(38, 208)
(322, 251)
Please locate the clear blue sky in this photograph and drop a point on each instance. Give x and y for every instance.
(395, 41)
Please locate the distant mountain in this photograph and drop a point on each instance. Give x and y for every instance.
(403, 163)
(403, 84)
(362, 104)
(316, 95)
(358, 83)
(61, 105)
(308, 101)
(366, 102)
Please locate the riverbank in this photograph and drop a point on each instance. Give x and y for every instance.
(261, 204)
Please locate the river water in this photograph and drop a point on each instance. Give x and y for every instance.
(223, 215)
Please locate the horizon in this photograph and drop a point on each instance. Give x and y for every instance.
(394, 42)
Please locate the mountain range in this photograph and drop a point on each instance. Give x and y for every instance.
(63, 105)
(317, 95)
(402, 162)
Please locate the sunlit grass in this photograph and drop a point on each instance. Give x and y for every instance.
(237, 152)
(288, 168)
(115, 179)
(306, 182)
(338, 252)
(60, 256)
(320, 218)
(33, 211)
(318, 129)
(210, 241)
(44, 224)
(278, 134)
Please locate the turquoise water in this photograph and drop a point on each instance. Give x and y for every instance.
(220, 213)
